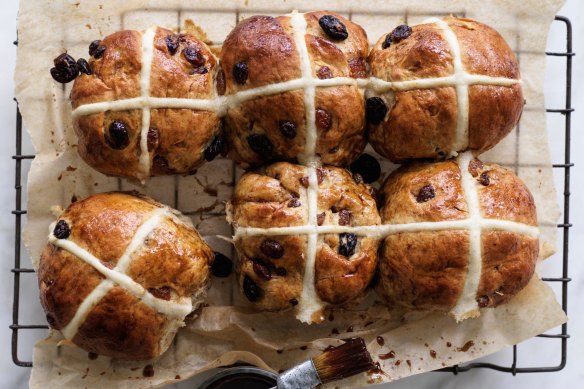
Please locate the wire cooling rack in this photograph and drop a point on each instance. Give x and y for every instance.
(28, 276)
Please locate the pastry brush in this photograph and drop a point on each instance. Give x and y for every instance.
(335, 363)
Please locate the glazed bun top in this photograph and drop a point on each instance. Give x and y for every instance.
(274, 262)
(456, 87)
(465, 236)
(120, 274)
(127, 110)
(291, 79)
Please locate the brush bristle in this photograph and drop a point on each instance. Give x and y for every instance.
(343, 361)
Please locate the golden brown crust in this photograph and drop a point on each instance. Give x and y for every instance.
(277, 198)
(505, 196)
(402, 187)
(173, 263)
(508, 264)
(493, 112)
(427, 269)
(424, 54)
(182, 134)
(423, 270)
(121, 327)
(422, 123)
(267, 48)
(422, 120)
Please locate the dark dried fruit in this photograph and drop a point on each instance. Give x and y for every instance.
(261, 145)
(294, 203)
(367, 167)
(484, 180)
(199, 70)
(320, 218)
(400, 33)
(222, 266)
(62, 230)
(347, 244)
(98, 53)
(334, 150)
(344, 217)
(288, 129)
(65, 70)
(240, 72)
(293, 302)
(375, 110)
(160, 165)
(483, 301)
(117, 136)
(251, 290)
(357, 178)
(426, 193)
(280, 271)
(358, 67)
(386, 42)
(272, 248)
(171, 43)
(84, 66)
(215, 148)
(221, 82)
(152, 138)
(50, 320)
(324, 120)
(333, 27)
(262, 269)
(193, 56)
(304, 181)
(324, 72)
(161, 293)
(474, 167)
(93, 46)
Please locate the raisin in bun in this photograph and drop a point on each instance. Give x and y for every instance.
(270, 123)
(271, 268)
(424, 115)
(120, 274)
(125, 140)
(465, 236)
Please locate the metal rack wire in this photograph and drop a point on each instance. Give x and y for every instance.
(565, 226)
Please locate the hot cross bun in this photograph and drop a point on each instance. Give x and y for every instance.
(120, 274)
(267, 52)
(426, 114)
(129, 141)
(272, 265)
(466, 236)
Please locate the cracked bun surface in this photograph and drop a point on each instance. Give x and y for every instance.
(163, 264)
(271, 267)
(426, 268)
(178, 140)
(261, 51)
(420, 121)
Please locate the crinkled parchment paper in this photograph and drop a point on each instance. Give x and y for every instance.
(227, 330)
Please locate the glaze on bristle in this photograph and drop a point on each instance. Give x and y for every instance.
(343, 361)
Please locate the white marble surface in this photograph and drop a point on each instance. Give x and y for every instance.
(532, 353)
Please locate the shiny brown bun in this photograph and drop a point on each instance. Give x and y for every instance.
(422, 123)
(179, 140)
(261, 51)
(427, 269)
(168, 266)
(271, 268)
